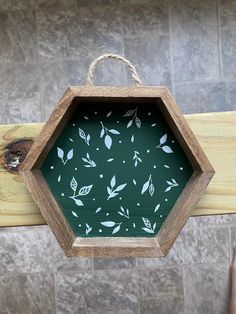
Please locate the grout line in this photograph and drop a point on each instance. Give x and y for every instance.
(172, 71)
(42, 109)
(230, 244)
(184, 290)
(219, 39)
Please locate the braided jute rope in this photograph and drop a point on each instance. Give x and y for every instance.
(92, 66)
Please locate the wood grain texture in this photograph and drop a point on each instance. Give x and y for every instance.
(216, 132)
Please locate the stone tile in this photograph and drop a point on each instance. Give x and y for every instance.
(25, 251)
(196, 246)
(201, 97)
(47, 4)
(150, 56)
(206, 289)
(113, 263)
(114, 291)
(145, 19)
(17, 36)
(27, 294)
(231, 95)
(212, 221)
(83, 34)
(228, 37)
(11, 5)
(19, 88)
(60, 262)
(162, 305)
(194, 40)
(56, 77)
(103, 293)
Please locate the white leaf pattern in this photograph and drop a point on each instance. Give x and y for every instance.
(167, 149)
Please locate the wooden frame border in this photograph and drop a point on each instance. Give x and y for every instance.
(123, 246)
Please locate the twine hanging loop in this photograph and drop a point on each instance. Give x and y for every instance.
(92, 66)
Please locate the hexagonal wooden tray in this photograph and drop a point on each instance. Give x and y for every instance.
(116, 171)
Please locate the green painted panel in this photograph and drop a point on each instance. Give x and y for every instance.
(116, 169)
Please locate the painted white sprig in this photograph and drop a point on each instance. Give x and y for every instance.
(60, 154)
(165, 148)
(85, 137)
(136, 158)
(82, 192)
(112, 191)
(90, 163)
(134, 119)
(171, 184)
(148, 226)
(88, 229)
(107, 138)
(148, 186)
(112, 224)
(124, 212)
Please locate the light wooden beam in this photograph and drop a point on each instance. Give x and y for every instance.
(216, 132)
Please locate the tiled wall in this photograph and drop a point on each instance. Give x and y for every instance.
(45, 45)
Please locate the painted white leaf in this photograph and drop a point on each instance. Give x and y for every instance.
(166, 166)
(84, 159)
(135, 163)
(147, 222)
(113, 131)
(71, 139)
(113, 181)
(108, 223)
(122, 209)
(128, 113)
(88, 230)
(88, 138)
(98, 210)
(129, 123)
(145, 187)
(73, 184)
(87, 226)
(116, 229)
(151, 189)
(60, 152)
(163, 139)
(113, 194)
(108, 141)
(120, 187)
(85, 117)
(157, 207)
(168, 189)
(168, 182)
(108, 190)
(120, 213)
(154, 226)
(87, 155)
(134, 225)
(85, 190)
(138, 122)
(110, 159)
(154, 124)
(109, 113)
(78, 202)
(59, 178)
(102, 132)
(132, 138)
(148, 230)
(70, 154)
(167, 149)
(82, 134)
(174, 181)
(74, 214)
(134, 182)
(127, 212)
